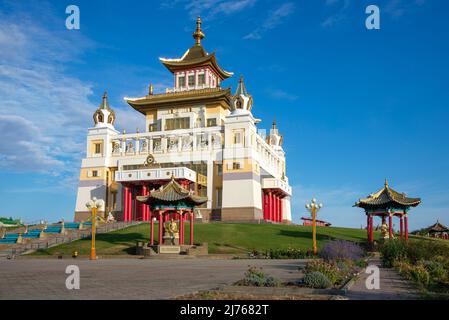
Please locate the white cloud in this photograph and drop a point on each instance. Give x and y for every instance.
(275, 18)
(210, 9)
(281, 94)
(338, 16)
(397, 8)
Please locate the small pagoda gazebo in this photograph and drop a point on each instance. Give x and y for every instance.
(387, 203)
(438, 230)
(171, 201)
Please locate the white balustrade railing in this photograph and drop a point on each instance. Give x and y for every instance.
(155, 174)
(170, 141)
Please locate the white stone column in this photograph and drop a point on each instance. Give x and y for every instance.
(150, 146)
(210, 183)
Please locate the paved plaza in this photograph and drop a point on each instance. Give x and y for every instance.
(129, 278)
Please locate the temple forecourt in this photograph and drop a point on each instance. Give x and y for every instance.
(199, 133)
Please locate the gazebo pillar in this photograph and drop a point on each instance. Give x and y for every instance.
(390, 225)
(181, 228)
(368, 227)
(371, 229)
(125, 203)
(406, 227)
(161, 222)
(401, 224)
(191, 228)
(151, 231)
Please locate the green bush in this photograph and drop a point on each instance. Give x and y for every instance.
(420, 275)
(393, 250)
(330, 270)
(436, 270)
(317, 280)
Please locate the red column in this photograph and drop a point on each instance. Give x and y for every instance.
(371, 229)
(406, 227)
(160, 227)
(191, 228)
(144, 206)
(271, 206)
(125, 203)
(275, 207)
(264, 202)
(390, 225)
(280, 208)
(401, 226)
(367, 227)
(130, 203)
(152, 232)
(181, 229)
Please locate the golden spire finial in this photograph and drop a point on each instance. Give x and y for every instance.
(198, 35)
(274, 122)
(386, 183)
(150, 89)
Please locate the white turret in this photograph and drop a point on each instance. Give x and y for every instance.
(242, 102)
(104, 116)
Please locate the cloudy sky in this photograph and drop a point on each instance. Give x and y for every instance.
(355, 106)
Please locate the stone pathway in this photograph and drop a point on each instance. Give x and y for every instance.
(129, 278)
(392, 286)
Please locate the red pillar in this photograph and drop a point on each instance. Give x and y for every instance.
(271, 206)
(275, 204)
(144, 206)
(281, 209)
(181, 229)
(130, 203)
(191, 228)
(367, 227)
(125, 203)
(151, 231)
(264, 201)
(406, 227)
(390, 225)
(401, 226)
(371, 229)
(160, 227)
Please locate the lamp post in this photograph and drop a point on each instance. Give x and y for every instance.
(93, 205)
(313, 208)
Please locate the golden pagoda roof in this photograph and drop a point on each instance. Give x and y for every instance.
(171, 193)
(196, 56)
(172, 99)
(387, 197)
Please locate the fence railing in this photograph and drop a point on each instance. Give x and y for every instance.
(51, 241)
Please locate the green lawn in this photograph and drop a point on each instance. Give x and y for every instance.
(221, 237)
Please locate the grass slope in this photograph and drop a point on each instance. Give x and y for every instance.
(221, 237)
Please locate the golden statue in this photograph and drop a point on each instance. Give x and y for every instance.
(384, 232)
(171, 233)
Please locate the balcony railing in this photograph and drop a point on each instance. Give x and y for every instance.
(155, 174)
(274, 183)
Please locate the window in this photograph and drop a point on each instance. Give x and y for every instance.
(219, 169)
(237, 138)
(201, 79)
(94, 173)
(182, 81)
(152, 127)
(177, 123)
(236, 166)
(97, 148)
(191, 80)
(211, 122)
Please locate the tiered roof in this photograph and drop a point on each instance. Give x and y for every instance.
(172, 194)
(196, 56)
(437, 227)
(387, 198)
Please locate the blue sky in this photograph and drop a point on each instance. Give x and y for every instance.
(354, 105)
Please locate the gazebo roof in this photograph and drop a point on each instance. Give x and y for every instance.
(172, 193)
(438, 227)
(387, 197)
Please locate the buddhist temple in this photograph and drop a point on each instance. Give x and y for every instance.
(387, 203)
(198, 131)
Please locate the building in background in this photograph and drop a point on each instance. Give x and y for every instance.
(320, 223)
(198, 132)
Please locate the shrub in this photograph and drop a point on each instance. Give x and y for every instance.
(331, 271)
(436, 270)
(255, 277)
(341, 250)
(420, 275)
(316, 279)
(393, 250)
